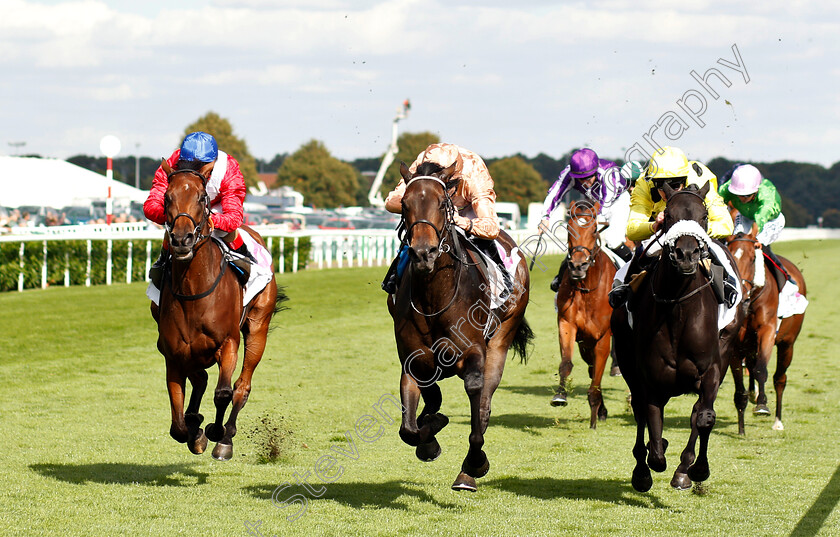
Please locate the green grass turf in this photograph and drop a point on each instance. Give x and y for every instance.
(86, 451)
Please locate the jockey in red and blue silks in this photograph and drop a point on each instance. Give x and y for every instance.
(225, 187)
(601, 181)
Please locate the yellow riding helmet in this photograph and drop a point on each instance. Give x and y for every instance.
(668, 162)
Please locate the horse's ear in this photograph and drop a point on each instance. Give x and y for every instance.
(448, 172)
(452, 186)
(166, 167)
(404, 171)
(705, 190)
(666, 188)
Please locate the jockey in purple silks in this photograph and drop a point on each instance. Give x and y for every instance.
(601, 181)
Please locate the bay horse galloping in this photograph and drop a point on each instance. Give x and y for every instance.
(200, 316)
(442, 314)
(583, 311)
(758, 335)
(673, 347)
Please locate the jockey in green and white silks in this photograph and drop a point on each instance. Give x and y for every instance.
(759, 203)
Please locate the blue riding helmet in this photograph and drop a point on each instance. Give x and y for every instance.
(199, 146)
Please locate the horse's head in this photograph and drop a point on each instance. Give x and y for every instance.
(582, 228)
(744, 248)
(684, 245)
(187, 209)
(427, 211)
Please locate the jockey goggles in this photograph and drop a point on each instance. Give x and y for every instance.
(674, 182)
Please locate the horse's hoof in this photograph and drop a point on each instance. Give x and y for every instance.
(778, 425)
(214, 433)
(223, 452)
(681, 481)
(477, 471)
(642, 481)
(761, 410)
(464, 482)
(699, 473)
(602, 413)
(428, 452)
(615, 371)
(198, 445)
(558, 400)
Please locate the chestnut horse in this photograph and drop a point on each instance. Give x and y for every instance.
(443, 323)
(583, 311)
(674, 346)
(200, 317)
(761, 330)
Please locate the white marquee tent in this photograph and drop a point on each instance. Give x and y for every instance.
(57, 183)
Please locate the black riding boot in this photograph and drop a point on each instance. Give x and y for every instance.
(157, 268)
(622, 251)
(555, 283)
(620, 293)
(389, 284)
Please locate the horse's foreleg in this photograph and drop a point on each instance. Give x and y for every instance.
(196, 440)
(766, 340)
(175, 384)
(740, 397)
(430, 422)
(409, 397)
(226, 358)
(641, 480)
(656, 445)
(567, 332)
(598, 360)
(705, 421)
(681, 480)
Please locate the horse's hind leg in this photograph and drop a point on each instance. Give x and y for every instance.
(567, 332)
(766, 340)
(223, 395)
(740, 397)
(475, 464)
(784, 355)
(598, 363)
(642, 480)
(196, 439)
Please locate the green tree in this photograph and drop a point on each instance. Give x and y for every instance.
(795, 214)
(517, 181)
(410, 145)
(831, 218)
(323, 180)
(221, 129)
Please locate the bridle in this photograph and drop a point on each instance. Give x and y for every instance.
(749, 296)
(205, 201)
(201, 239)
(443, 234)
(591, 254)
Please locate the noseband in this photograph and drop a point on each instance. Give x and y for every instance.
(205, 200)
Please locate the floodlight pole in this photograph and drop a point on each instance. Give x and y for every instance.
(374, 196)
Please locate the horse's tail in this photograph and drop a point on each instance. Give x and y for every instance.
(522, 340)
(278, 305)
(281, 297)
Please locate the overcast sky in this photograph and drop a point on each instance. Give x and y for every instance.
(497, 77)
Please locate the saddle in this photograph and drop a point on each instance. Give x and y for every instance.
(485, 250)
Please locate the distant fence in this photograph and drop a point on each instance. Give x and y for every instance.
(100, 254)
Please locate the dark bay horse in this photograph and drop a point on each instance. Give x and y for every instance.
(758, 334)
(674, 346)
(200, 317)
(441, 317)
(583, 311)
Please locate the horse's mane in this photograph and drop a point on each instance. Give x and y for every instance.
(428, 168)
(193, 165)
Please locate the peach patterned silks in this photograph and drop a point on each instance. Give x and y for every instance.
(474, 198)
